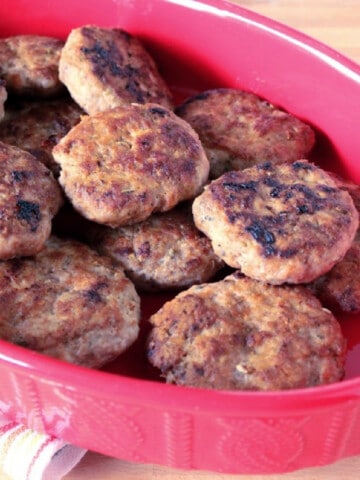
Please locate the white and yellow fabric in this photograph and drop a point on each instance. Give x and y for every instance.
(27, 455)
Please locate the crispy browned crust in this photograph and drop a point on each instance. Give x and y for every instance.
(241, 334)
(29, 65)
(69, 303)
(166, 251)
(239, 129)
(120, 166)
(278, 223)
(103, 68)
(3, 97)
(30, 197)
(38, 127)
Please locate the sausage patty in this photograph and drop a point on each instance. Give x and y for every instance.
(121, 165)
(278, 223)
(29, 64)
(239, 129)
(339, 289)
(38, 127)
(103, 68)
(240, 334)
(166, 251)
(30, 197)
(69, 303)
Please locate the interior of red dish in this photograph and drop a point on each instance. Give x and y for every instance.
(318, 86)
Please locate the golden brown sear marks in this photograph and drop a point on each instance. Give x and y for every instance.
(240, 334)
(29, 199)
(278, 223)
(3, 97)
(38, 127)
(166, 251)
(103, 68)
(68, 302)
(120, 166)
(238, 129)
(29, 65)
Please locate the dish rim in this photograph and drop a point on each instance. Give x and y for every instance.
(188, 398)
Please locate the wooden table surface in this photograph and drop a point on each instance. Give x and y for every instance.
(336, 23)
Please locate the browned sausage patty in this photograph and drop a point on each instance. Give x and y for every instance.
(29, 65)
(339, 289)
(238, 129)
(278, 223)
(352, 188)
(38, 127)
(103, 68)
(240, 334)
(69, 303)
(30, 197)
(166, 251)
(3, 97)
(120, 166)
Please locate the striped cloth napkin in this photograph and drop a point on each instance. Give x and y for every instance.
(27, 455)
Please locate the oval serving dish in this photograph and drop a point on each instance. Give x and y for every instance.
(123, 411)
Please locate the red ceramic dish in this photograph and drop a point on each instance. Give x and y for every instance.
(122, 411)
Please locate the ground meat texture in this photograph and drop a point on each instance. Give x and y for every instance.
(38, 127)
(103, 68)
(166, 251)
(278, 223)
(29, 199)
(3, 97)
(352, 188)
(120, 166)
(68, 302)
(29, 65)
(339, 289)
(240, 334)
(239, 129)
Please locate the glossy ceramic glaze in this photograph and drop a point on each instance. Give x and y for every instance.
(124, 411)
